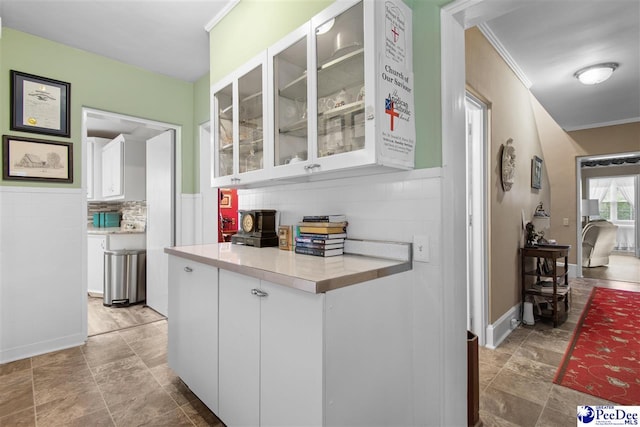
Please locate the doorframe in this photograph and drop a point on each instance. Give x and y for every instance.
(83, 187)
(478, 227)
(454, 19)
(209, 211)
(579, 189)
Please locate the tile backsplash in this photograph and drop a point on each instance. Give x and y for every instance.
(134, 213)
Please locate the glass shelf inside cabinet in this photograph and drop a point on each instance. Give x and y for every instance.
(340, 50)
(345, 71)
(295, 89)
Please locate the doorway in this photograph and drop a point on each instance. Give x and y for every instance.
(162, 221)
(477, 247)
(609, 186)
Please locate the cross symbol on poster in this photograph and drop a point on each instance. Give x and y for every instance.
(395, 34)
(388, 108)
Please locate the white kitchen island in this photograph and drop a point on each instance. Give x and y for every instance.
(266, 337)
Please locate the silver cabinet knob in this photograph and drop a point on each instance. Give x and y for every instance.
(188, 269)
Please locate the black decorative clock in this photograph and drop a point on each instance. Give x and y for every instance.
(257, 228)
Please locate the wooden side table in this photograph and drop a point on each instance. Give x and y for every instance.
(546, 266)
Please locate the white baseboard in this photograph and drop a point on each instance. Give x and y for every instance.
(42, 347)
(498, 331)
(573, 271)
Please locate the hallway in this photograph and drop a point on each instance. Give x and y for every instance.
(516, 379)
(622, 267)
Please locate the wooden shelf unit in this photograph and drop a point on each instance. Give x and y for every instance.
(546, 266)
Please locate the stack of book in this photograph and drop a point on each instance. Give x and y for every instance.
(321, 235)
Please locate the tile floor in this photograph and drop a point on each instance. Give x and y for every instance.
(121, 378)
(118, 378)
(516, 379)
(103, 319)
(622, 266)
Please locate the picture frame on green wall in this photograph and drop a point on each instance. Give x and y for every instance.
(31, 159)
(40, 105)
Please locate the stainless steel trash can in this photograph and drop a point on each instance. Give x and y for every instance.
(125, 277)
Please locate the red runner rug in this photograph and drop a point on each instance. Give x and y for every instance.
(603, 356)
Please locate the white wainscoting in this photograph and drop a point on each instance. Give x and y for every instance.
(392, 206)
(42, 291)
(190, 229)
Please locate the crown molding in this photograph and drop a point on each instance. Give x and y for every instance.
(220, 15)
(504, 53)
(603, 124)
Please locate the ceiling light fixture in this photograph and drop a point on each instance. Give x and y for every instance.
(595, 74)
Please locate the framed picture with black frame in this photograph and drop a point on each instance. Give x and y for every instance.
(31, 159)
(40, 105)
(536, 172)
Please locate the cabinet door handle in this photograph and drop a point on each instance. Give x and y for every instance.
(312, 166)
(259, 293)
(188, 269)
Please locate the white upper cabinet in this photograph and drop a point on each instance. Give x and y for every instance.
(94, 166)
(340, 98)
(123, 169)
(289, 109)
(240, 127)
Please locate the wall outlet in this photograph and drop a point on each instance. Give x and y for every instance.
(421, 248)
(565, 221)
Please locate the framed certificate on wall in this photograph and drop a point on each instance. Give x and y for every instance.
(40, 105)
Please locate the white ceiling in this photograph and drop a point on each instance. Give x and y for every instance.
(548, 40)
(551, 40)
(163, 36)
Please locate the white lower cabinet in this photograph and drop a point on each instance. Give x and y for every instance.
(271, 348)
(96, 245)
(278, 356)
(193, 327)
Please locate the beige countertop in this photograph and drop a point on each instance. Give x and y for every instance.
(112, 230)
(305, 272)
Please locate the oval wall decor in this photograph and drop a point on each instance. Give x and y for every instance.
(508, 165)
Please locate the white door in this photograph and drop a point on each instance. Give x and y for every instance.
(193, 330)
(291, 357)
(160, 217)
(239, 350)
(477, 300)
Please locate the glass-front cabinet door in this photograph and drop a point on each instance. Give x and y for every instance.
(239, 105)
(289, 64)
(223, 108)
(335, 94)
(341, 87)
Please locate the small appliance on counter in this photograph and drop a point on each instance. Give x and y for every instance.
(257, 228)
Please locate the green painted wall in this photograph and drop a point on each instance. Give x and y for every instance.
(231, 45)
(252, 26)
(100, 83)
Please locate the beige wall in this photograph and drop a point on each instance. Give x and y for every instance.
(561, 150)
(512, 115)
(516, 114)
